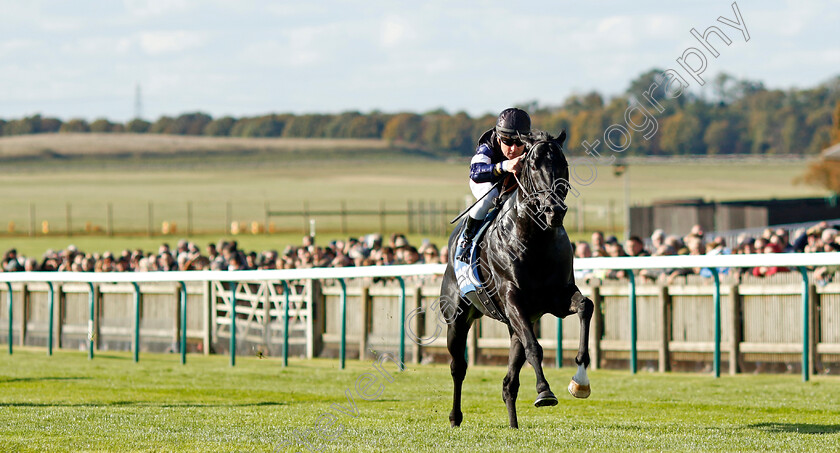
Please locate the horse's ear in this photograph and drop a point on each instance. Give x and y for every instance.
(561, 138)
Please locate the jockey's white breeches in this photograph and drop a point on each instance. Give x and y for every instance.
(479, 211)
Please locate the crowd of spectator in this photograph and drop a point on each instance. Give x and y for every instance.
(818, 238)
(227, 255)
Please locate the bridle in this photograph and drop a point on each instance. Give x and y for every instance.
(531, 192)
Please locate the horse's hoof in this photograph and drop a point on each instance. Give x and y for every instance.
(545, 398)
(455, 419)
(579, 391)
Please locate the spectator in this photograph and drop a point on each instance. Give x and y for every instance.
(716, 247)
(635, 247)
(411, 256)
(677, 244)
(10, 261)
(765, 271)
(431, 254)
(657, 239)
(387, 257)
(30, 265)
(341, 260)
(695, 246)
(784, 240)
(746, 246)
(582, 250)
(614, 250)
(598, 243)
(655, 274)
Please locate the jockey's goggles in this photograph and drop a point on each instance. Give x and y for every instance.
(511, 141)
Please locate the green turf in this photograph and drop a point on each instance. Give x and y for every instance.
(67, 403)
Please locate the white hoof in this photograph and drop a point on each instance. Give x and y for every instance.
(579, 390)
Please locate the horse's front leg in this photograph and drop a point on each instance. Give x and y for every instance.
(533, 351)
(579, 386)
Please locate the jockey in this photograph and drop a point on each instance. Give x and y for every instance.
(500, 151)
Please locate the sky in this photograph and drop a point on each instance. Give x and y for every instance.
(84, 59)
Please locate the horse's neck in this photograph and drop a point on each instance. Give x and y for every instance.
(516, 220)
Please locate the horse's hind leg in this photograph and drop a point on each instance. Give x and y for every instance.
(456, 342)
(510, 385)
(579, 386)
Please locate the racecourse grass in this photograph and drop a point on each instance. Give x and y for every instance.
(68, 403)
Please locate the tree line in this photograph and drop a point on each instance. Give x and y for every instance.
(731, 116)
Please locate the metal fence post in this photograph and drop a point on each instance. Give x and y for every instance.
(51, 298)
(343, 349)
(136, 322)
(183, 323)
(806, 371)
(633, 355)
(402, 319)
(286, 291)
(717, 320)
(91, 332)
(11, 312)
(233, 287)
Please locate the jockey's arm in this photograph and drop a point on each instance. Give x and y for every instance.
(482, 168)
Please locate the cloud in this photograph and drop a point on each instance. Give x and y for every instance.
(61, 24)
(98, 46)
(163, 42)
(288, 9)
(17, 45)
(147, 8)
(395, 31)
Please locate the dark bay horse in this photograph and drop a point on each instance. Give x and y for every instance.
(526, 264)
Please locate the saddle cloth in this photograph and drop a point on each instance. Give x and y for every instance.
(468, 275)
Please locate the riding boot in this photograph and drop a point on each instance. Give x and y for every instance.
(470, 229)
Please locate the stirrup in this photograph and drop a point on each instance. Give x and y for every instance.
(465, 246)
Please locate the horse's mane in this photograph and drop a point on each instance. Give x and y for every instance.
(543, 136)
(539, 136)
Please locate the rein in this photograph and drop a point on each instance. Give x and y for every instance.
(521, 185)
(530, 191)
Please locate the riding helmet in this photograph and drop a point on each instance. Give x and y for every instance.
(513, 122)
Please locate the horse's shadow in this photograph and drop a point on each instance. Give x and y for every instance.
(801, 428)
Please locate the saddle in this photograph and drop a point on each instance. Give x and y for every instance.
(468, 275)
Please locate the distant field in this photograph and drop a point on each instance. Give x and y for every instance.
(316, 174)
(99, 144)
(68, 403)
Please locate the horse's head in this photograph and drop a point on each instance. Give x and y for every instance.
(545, 179)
